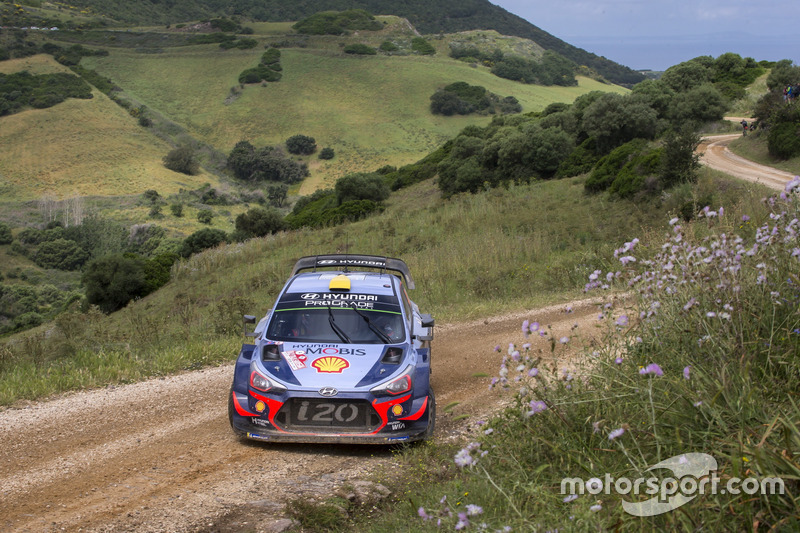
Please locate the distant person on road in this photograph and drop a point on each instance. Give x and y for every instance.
(744, 127)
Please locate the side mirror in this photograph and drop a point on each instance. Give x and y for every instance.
(427, 321)
(248, 319)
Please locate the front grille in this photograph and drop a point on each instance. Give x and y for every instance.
(328, 415)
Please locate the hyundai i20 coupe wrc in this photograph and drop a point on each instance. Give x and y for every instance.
(343, 356)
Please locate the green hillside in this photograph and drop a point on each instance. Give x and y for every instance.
(372, 111)
(429, 17)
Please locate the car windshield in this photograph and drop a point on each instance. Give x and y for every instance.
(336, 324)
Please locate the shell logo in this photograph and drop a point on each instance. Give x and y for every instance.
(330, 364)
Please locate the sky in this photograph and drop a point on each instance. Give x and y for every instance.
(656, 34)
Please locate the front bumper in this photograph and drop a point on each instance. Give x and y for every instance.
(360, 419)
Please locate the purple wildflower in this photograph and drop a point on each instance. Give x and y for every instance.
(563, 340)
(622, 321)
(568, 499)
(474, 510)
(422, 514)
(687, 372)
(616, 433)
(652, 368)
(537, 406)
(618, 360)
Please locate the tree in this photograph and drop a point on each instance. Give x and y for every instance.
(301, 144)
(181, 159)
(614, 119)
(277, 194)
(259, 221)
(698, 105)
(679, 161)
(113, 281)
(686, 75)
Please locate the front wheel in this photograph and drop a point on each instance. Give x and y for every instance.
(431, 415)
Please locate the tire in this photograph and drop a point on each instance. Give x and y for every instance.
(231, 409)
(431, 416)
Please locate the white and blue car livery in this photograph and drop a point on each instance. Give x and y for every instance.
(343, 356)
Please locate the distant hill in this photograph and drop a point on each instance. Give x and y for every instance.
(428, 16)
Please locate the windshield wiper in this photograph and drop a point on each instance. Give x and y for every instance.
(381, 335)
(336, 329)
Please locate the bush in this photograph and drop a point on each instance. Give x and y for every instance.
(337, 22)
(361, 187)
(301, 144)
(205, 216)
(423, 47)
(388, 47)
(360, 49)
(609, 166)
(259, 221)
(112, 281)
(182, 159)
(60, 254)
(783, 140)
(202, 240)
(176, 209)
(5, 234)
(326, 153)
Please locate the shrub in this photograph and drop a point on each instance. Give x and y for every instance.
(301, 144)
(326, 153)
(388, 47)
(5, 234)
(202, 240)
(360, 49)
(609, 166)
(112, 281)
(422, 47)
(176, 209)
(205, 216)
(259, 221)
(783, 140)
(60, 254)
(361, 187)
(182, 159)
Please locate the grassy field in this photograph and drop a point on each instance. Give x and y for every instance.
(80, 147)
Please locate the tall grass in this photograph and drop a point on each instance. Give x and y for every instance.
(703, 358)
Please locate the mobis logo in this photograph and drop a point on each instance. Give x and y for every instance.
(335, 351)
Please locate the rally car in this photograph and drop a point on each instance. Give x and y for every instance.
(343, 356)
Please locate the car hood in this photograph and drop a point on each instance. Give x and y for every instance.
(351, 366)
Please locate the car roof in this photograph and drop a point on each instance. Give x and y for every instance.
(361, 282)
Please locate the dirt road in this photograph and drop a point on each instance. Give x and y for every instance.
(160, 455)
(716, 154)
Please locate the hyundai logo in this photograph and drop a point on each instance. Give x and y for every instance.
(310, 296)
(328, 391)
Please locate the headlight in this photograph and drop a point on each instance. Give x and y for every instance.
(398, 385)
(261, 382)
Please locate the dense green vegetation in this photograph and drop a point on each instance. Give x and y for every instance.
(23, 90)
(337, 22)
(462, 98)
